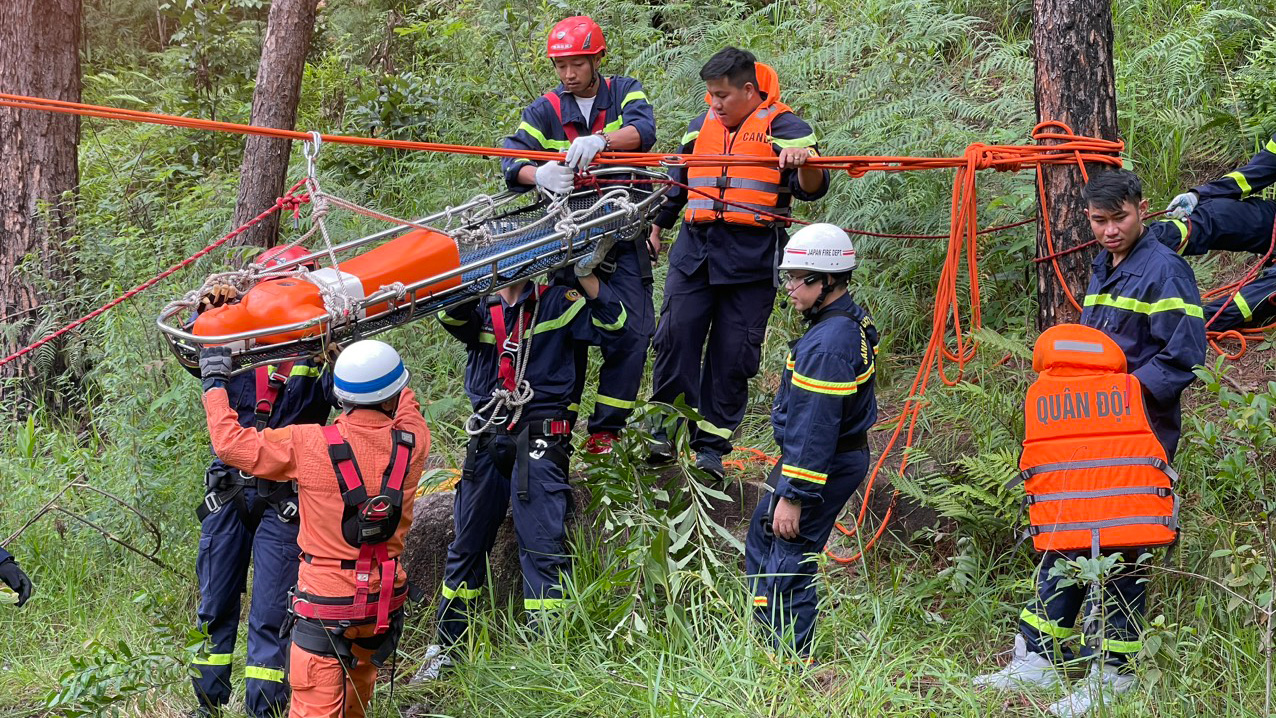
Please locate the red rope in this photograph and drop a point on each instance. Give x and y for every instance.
(287, 201)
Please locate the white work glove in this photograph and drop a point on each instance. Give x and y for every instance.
(583, 150)
(586, 266)
(555, 178)
(1183, 205)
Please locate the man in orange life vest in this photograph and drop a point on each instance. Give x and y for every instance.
(1143, 296)
(587, 114)
(356, 482)
(722, 268)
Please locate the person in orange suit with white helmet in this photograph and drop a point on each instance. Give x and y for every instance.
(356, 481)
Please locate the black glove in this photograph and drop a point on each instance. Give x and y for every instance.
(17, 580)
(214, 366)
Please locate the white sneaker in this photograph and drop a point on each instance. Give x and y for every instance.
(1025, 670)
(1102, 686)
(432, 664)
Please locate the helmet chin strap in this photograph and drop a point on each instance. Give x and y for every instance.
(826, 286)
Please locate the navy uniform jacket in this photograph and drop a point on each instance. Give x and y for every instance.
(625, 105)
(826, 395)
(1150, 306)
(735, 253)
(565, 319)
(1253, 177)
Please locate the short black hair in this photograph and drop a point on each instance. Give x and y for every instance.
(732, 63)
(1112, 189)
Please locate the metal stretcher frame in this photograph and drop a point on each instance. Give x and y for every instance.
(482, 271)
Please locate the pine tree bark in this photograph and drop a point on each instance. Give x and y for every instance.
(39, 174)
(283, 60)
(1076, 85)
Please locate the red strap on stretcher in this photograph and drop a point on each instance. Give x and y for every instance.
(372, 555)
(556, 102)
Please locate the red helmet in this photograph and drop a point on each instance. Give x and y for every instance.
(577, 35)
(276, 256)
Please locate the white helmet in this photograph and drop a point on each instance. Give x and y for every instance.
(820, 248)
(367, 373)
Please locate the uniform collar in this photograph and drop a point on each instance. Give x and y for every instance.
(843, 303)
(522, 297)
(1132, 264)
(571, 110)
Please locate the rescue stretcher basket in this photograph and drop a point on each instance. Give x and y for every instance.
(525, 242)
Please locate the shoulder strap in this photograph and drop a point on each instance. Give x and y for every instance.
(353, 492)
(570, 130)
(835, 313)
(270, 382)
(397, 470)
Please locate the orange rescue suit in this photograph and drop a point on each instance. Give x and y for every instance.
(754, 187)
(1095, 475)
(321, 686)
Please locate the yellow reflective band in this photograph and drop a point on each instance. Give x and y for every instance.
(461, 592)
(1243, 305)
(522, 161)
(788, 362)
(212, 659)
(689, 137)
(274, 675)
(540, 138)
(487, 338)
(1134, 305)
(573, 408)
(760, 601)
(304, 371)
(709, 428)
(614, 125)
(542, 604)
(1241, 181)
(1121, 646)
(635, 95)
(563, 319)
(620, 321)
(443, 317)
(1050, 628)
(836, 388)
(797, 472)
(1271, 145)
(808, 141)
(1183, 233)
(613, 401)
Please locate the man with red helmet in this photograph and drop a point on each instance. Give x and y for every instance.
(244, 518)
(585, 115)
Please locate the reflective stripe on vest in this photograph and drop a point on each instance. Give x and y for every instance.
(1094, 473)
(738, 194)
(569, 129)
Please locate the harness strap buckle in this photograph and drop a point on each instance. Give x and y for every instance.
(213, 502)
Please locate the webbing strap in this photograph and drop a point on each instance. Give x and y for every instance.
(1170, 521)
(348, 475)
(269, 383)
(1095, 464)
(507, 346)
(570, 131)
(1098, 494)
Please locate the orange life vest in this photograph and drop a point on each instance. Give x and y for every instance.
(745, 187)
(1095, 475)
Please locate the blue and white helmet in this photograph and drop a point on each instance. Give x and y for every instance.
(367, 373)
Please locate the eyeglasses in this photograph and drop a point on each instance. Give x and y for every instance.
(806, 279)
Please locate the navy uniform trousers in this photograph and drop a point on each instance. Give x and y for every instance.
(226, 545)
(487, 488)
(1048, 623)
(1229, 225)
(723, 324)
(624, 361)
(781, 573)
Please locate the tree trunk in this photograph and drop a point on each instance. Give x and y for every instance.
(39, 174)
(283, 60)
(1076, 85)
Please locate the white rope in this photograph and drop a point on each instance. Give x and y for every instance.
(505, 407)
